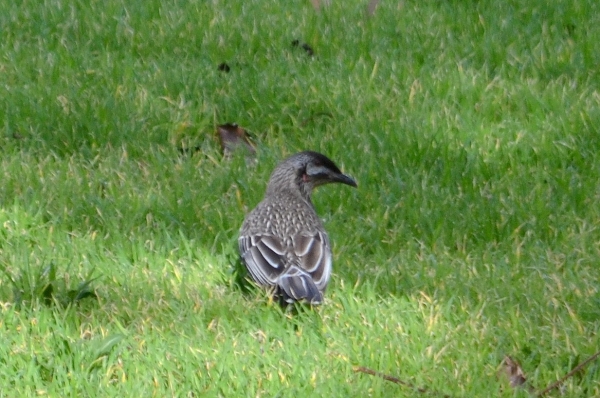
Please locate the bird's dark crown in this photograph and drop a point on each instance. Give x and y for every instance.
(304, 171)
(318, 159)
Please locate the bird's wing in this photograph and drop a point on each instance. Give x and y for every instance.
(264, 256)
(267, 257)
(314, 256)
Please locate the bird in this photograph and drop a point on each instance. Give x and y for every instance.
(282, 241)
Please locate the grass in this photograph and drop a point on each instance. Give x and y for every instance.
(471, 128)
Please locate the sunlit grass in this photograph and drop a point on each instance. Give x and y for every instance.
(471, 128)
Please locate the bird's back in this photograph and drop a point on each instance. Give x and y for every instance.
(282, 215)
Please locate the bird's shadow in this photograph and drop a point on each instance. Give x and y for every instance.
(238, 277)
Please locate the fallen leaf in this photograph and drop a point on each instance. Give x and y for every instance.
(513, 371)
(371, 7)
(231, 136)
(316, 4)
(309, 51)
(223, 67)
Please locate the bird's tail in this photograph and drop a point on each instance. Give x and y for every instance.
(297, 285)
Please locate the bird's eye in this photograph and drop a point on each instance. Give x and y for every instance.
(303, 174)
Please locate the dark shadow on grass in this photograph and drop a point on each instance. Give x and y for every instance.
(47, 287)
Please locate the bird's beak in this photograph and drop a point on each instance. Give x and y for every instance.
(344, 179)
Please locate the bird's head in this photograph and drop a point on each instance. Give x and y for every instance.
(305, 171)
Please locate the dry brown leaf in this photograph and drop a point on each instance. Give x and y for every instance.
(371, 7)
(309, 51)
(223, 67)
(231, 136)
(512, 370)
(317, 4)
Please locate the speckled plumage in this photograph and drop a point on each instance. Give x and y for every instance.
(282, 241)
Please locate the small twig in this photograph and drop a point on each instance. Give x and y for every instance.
(393, 379)
(568, 375)
(557, 384)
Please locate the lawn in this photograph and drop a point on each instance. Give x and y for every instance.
(471, 127)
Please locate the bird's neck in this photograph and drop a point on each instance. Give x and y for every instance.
(302, 193)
